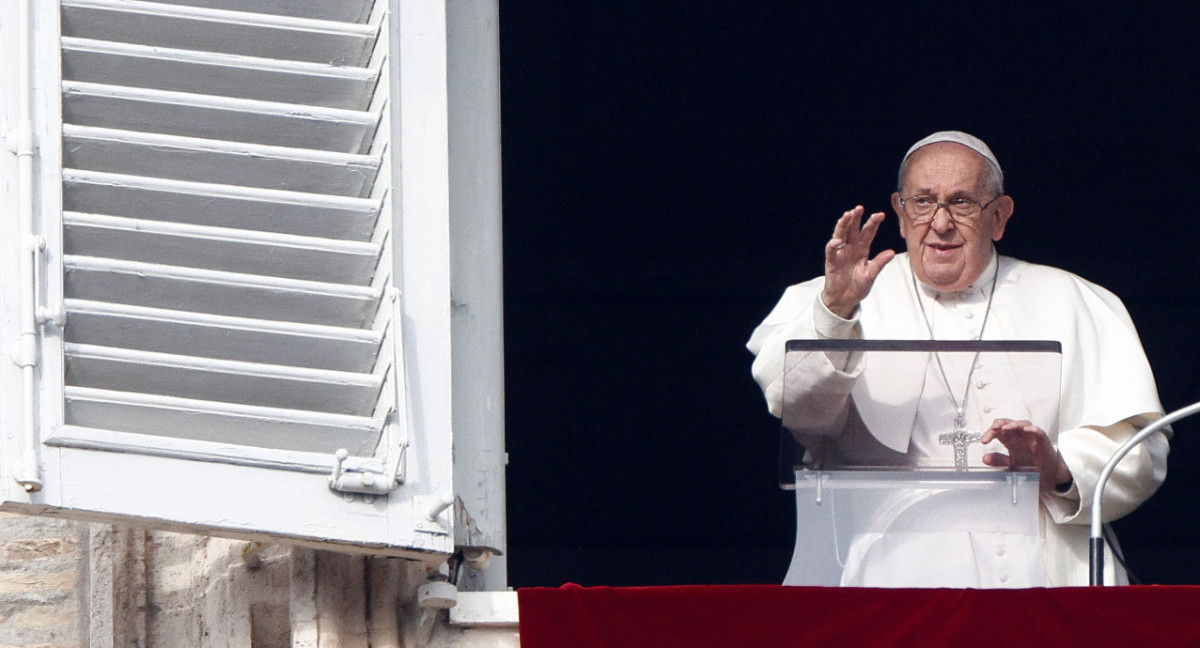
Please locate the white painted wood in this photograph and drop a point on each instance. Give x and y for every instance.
(220, 293)
(486, 609)
(228, 500)
(215, 266)
(12, 407)
(47, 82)
(473, 59)
(219, 205)
(21, 138)
(342, 10)
(223, 432)
(219, 162)
(219, 248)
(282, 81)
(309, 455)
(230, 338)
(215, 30)
(223, 381)
(420, 126)
(222, 118)
(212, 419)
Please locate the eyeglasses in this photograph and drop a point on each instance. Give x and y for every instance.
(921, 209)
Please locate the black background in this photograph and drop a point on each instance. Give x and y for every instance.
(669, 167)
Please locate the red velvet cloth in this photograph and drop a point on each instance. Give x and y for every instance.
(793, 617)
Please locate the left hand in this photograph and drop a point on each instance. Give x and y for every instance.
(1028, 447)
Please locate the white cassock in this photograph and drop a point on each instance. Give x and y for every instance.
(1107, 394)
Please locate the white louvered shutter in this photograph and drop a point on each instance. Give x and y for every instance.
(243, 204)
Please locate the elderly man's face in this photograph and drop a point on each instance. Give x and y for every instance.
(949, 254)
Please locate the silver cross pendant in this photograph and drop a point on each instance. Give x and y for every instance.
(960, 438)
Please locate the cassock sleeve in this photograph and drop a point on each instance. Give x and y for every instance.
(1085, 451)
(800, 314)
(1109, 395)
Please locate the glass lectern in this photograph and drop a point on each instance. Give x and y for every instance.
(880, 442)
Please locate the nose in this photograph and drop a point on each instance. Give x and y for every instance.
(942, 220)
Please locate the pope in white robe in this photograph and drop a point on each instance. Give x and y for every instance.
(951, 285)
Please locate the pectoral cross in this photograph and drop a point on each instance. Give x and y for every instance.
(960, 438)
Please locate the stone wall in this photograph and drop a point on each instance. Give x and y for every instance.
(40, 583)
(67, 584)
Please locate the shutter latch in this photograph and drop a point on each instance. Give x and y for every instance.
(366, 481)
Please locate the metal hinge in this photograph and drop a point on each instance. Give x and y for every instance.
(366, 481)
(395, 432)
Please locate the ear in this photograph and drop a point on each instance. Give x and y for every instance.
(1004, 211)
(896, 207)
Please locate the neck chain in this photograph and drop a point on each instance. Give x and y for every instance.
(960, 416)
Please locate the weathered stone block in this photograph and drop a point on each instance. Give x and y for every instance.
(62, 618)
(24, 583)
(39, 548)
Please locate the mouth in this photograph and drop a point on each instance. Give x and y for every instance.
(942, 249)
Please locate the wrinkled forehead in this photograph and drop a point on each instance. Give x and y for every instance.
(945, 164)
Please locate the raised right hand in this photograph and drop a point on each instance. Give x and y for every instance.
(849, 270)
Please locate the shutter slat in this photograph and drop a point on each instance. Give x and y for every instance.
(342, 10)
(222, 249)
(220, 293)
(215, 336)
(214, 30)
(224, 423)
(221, 118)
(121, 64)
(218, 162)
(219, 205)
(223, 381)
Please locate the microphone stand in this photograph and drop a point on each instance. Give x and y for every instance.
(1096, 541)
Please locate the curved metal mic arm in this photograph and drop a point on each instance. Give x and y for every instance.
(1096, 541)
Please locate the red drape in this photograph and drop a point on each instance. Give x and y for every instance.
(795, 617)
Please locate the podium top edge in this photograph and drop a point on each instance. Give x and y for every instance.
(929, 346)
(917, 474)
